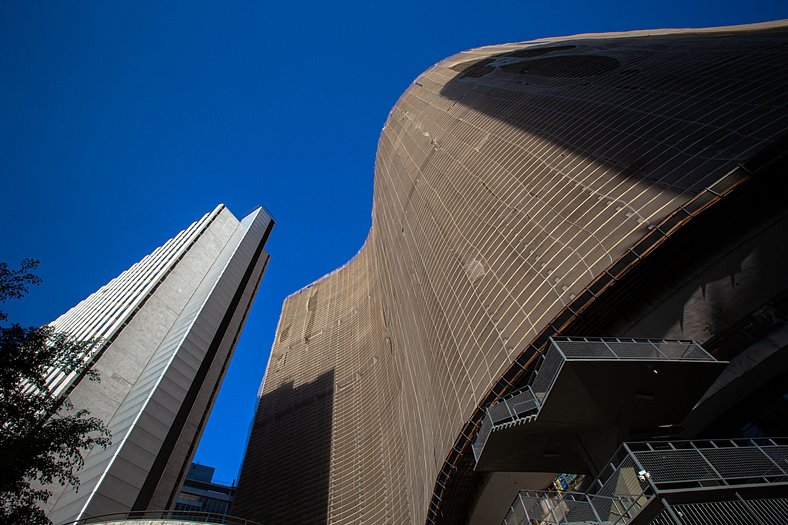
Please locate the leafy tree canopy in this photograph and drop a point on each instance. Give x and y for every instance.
(42, 439)
(14, 284)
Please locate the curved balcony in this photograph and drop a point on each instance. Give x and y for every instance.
(699, 482)
(588, 395)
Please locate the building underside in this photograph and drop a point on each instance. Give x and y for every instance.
(626, 186)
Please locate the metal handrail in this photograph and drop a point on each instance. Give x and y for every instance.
(610, 342)
(571, 338)
(555, 346)
(710, 475)
(544, 375)
(550, 502)
(174, 515)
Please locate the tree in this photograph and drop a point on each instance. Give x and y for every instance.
(14, 283)
(42, 439)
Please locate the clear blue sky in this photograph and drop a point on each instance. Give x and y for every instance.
(123, 122)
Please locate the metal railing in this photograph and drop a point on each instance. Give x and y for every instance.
(630, 349)
(664, 466)
(523, 405)
(554, 508)
(165, 515)
(514, 409)
(739, 510)
(644, 472)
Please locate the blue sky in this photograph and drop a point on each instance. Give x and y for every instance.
(123, 122)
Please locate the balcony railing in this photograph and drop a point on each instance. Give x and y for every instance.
(523, 405)
(670, 466)
(630, 349)
(739, 510)
(696, 482)
(554, 508)
(511, 410)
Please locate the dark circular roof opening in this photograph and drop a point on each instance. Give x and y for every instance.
(566, 66)
(474, 68)
(533, 52)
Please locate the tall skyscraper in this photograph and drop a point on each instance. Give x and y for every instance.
(168, 326)
(621, 185)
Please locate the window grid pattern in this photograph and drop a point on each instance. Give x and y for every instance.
(499, 197)
(108, 310)
(164, 345)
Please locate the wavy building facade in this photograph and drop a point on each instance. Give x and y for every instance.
(167, 328)
(604, 185)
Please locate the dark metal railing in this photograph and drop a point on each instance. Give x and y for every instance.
(556, 508)
(646, 473)
(630, 349)
(737, 510)
(523, 405)
(661, 466)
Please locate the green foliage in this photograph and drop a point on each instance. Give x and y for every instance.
(42, 439)
(14, 283)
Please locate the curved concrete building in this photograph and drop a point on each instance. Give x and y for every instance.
(602, 185)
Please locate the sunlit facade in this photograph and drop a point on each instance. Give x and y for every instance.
(623, 185)
(167, 329)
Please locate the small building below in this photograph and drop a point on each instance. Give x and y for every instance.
(200, 493)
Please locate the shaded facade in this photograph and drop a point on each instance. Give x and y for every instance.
(603, 185)
(687, 482)
(168, 327)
